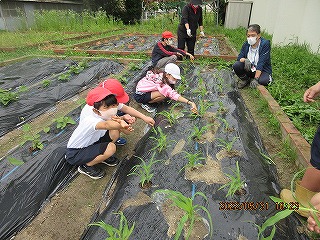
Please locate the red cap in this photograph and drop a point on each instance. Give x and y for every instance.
(96, 95)
(167, 34)
(115, 88)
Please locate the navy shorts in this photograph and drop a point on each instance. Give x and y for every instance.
(143, 98)
(315, 150)
(80, 156)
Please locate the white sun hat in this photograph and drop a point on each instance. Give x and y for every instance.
(173, 70)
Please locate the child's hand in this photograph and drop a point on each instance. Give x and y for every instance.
(193, 108)
(116, 119)
(126, 126)
(129, 119)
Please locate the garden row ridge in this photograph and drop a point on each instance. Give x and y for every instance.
(288, 130)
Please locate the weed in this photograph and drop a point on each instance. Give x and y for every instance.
(144, 170)
(29, 135)
(193, 160)
(227, 145)
(190, 209)
(63, 121)
(235, 184)
(123, 231)
(161, 140)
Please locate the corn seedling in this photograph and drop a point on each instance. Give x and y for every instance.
(288, 209)
(181, 88)
(123, 231)
(161, 140)
(33, 137)
(63, 121)
(15, 161)
(190, 209)
(225, 123)
(235, 184)
(171, 116)
(202, 109)
(197, 132)
(193, 160)
(221, 108)
(227, 145)
(201, 91)
(144, 170)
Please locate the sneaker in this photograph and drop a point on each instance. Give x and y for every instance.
(111, 161)
(242, 83)
(93, 172)
(148, 108)
(121, 142)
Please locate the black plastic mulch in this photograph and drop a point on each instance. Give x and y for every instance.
(260, 176)
(38, 99)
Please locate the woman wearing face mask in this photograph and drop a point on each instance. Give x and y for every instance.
(253, 65)
(156, 87)
(191, 19)
(93, 141)
(164, 53)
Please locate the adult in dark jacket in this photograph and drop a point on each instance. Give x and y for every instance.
(253, 65)
(164, 53)
(191, 19)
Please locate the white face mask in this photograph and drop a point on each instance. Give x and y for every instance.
(172, 80)
(170, 41)
(252, 40)
(106, 115)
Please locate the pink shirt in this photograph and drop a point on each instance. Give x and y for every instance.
(153, 82)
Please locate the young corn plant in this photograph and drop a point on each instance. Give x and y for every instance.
(201, 91)
(123, 231)
(197, 132)
(190, 210)
(193, 160)
(225, 123)
(235, 184)
(202, 109)
(171, 116)
(227, 145)
(161, 140)
(144, 171)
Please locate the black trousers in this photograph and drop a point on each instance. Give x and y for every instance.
(190, 42)
(244, 75)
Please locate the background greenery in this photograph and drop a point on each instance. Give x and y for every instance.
(295, 68)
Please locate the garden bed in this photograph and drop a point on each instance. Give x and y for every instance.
(209, 46)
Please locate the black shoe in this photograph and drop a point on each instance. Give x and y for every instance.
(111, 161)
(93, 172)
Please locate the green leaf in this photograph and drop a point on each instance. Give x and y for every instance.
(15, 161)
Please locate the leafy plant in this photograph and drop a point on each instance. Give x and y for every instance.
(123, 231)
(197, 132)
(193, 160)
(235, 184)
(225, 123)
(161, 140)
(46, 129)
(29, 135)
(203, 107)
(7, 96)
(227, 145)
(15, 161)
(78, 68)
(64, 77)
(190, 209)
(144, 170)
(46, 82)
(201, 91)
(221, 108)
(63, 121)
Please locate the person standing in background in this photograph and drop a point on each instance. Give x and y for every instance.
(191, 19)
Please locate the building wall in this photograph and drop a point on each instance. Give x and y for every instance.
(289, 21)
(11, 12)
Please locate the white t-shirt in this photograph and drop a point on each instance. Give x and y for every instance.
(87, 111)
(86, 134)
(253, 55)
